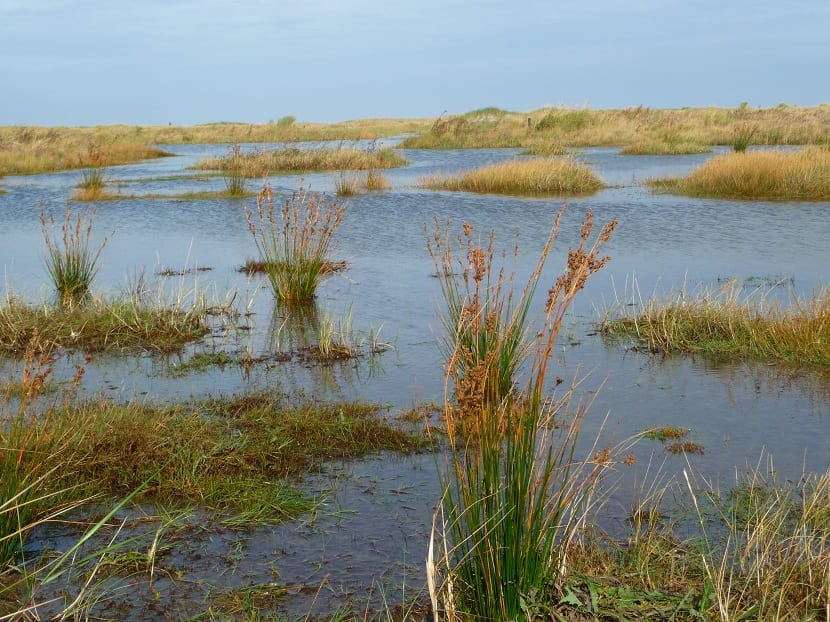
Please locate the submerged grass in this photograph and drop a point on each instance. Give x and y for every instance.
(723, 326)
(294, 240)
(535, 177)
(802, 175)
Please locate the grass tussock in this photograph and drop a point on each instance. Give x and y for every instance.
(99, 325)
(71, 259)
(513, 493)
(535, 177)
(294, 240)
(723, 325)
(294, 160)
(775, 175)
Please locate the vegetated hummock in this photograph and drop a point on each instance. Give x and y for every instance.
(533, 177)
(723, 326)
(292, 160)
(97, 325)
(774, 175)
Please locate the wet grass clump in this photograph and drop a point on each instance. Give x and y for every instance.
(71, 259)
(99, 325)
(772, 175)
(724, 326)
(293, 160)
(294, 240)
(535, 177)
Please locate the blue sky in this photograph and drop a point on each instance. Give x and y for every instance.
(65, 62)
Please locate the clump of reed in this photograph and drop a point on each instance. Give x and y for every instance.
(294, 240)
(349, 184)
(533, 177)
(775, 175)
(513, 493)
(723, 325)
(346, 185)
(71, 259)
(92, 186)
(234, 178)
(294, 160)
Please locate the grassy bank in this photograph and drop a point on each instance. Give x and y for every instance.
(29, 150)
(26, 150)
(492, 127)
(535, 177)
(724, 326)
(773, 175)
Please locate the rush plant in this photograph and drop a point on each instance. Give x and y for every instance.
(513, 493)
(71, 259)
(294, 239)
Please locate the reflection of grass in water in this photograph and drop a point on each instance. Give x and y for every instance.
(721, 325)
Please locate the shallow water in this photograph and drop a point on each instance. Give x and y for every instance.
(384, 505)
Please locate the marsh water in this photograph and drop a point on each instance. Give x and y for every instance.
(367, 541)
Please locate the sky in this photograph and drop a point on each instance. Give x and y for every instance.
(185, 62)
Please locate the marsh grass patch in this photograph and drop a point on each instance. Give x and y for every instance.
(98, 325)
(531, 177)
(229, 455)
(771, 175)
(726, 325)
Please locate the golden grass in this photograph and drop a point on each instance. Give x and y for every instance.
(724, 326)
(293, 160)
(29, 150)
(802, 175)
(535, 177)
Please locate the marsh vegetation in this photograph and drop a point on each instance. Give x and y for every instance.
(182, 438)
(769, 175)
(532, 177)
